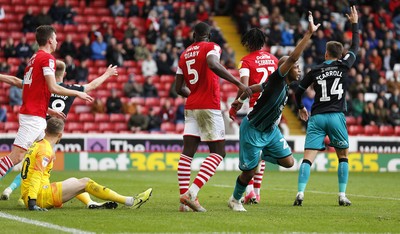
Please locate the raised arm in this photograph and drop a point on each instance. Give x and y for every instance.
(111, 71)
(295, 55)
(355, 40)
(58, 89)
(11, 80)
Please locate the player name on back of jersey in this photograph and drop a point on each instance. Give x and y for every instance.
(59, 96)
(329, 74)
(192, 52)
(264, 60)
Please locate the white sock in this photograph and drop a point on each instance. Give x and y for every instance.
(194, 190)
(300, 193)
(257, 191)
(92, 203)
(342, 194)
(129, 201)
(249, 188)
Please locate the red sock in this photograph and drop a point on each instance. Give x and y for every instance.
(5, 165)
(207, 169)
(259, 175)
(184, 173)
(251, 182)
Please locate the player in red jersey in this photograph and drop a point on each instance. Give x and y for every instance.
(197, 78)
(59, 103)
(39, 82)
(255, 68)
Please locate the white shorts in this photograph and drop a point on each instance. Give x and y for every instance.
(31, 129)
(207, 124)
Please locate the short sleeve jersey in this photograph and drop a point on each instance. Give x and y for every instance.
(269, 106)
(64, 103)
(35, 93)
(36, 168)
(201, 81)
(328, 80)
(258, 66)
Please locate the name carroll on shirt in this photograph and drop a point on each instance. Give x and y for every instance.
(326, 74)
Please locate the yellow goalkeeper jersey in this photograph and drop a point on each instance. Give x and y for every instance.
(36, 168)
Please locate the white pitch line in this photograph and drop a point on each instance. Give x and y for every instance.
(320, 192)
(43, 224)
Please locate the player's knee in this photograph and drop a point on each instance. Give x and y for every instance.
(287, 162)
(84, 180)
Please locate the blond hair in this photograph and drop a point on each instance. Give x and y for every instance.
(54, 126)
(60, 69)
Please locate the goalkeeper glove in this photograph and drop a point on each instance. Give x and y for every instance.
(32, 206)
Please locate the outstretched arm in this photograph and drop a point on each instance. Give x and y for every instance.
(214, 64)
(350, 56)
(238, 103)
(355, 40)
(298, 50)
(58, 89)
(54, 113)
(11, 80)
(111, 71)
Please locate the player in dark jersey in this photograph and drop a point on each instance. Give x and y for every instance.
(62, 104)
(258, 130)
(327, 117)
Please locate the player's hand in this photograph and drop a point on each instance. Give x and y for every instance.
(232, 113)
(85, 97)
(311, 26)
(32, 206)
(247, 90)
(303, 114)
(38, 208)
(111, 71)
(54, 113)
(353, 17)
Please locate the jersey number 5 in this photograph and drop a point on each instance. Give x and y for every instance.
(335, 90)
(192, 71)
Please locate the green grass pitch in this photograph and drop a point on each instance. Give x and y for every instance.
(375, 208)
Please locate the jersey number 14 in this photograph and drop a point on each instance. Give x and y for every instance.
(336, 89)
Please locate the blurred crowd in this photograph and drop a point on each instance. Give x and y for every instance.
(374, 81)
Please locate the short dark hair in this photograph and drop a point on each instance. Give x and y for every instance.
(254, 39)
(202, 29)
(54, 126)
(43, 33)
(334, 49)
